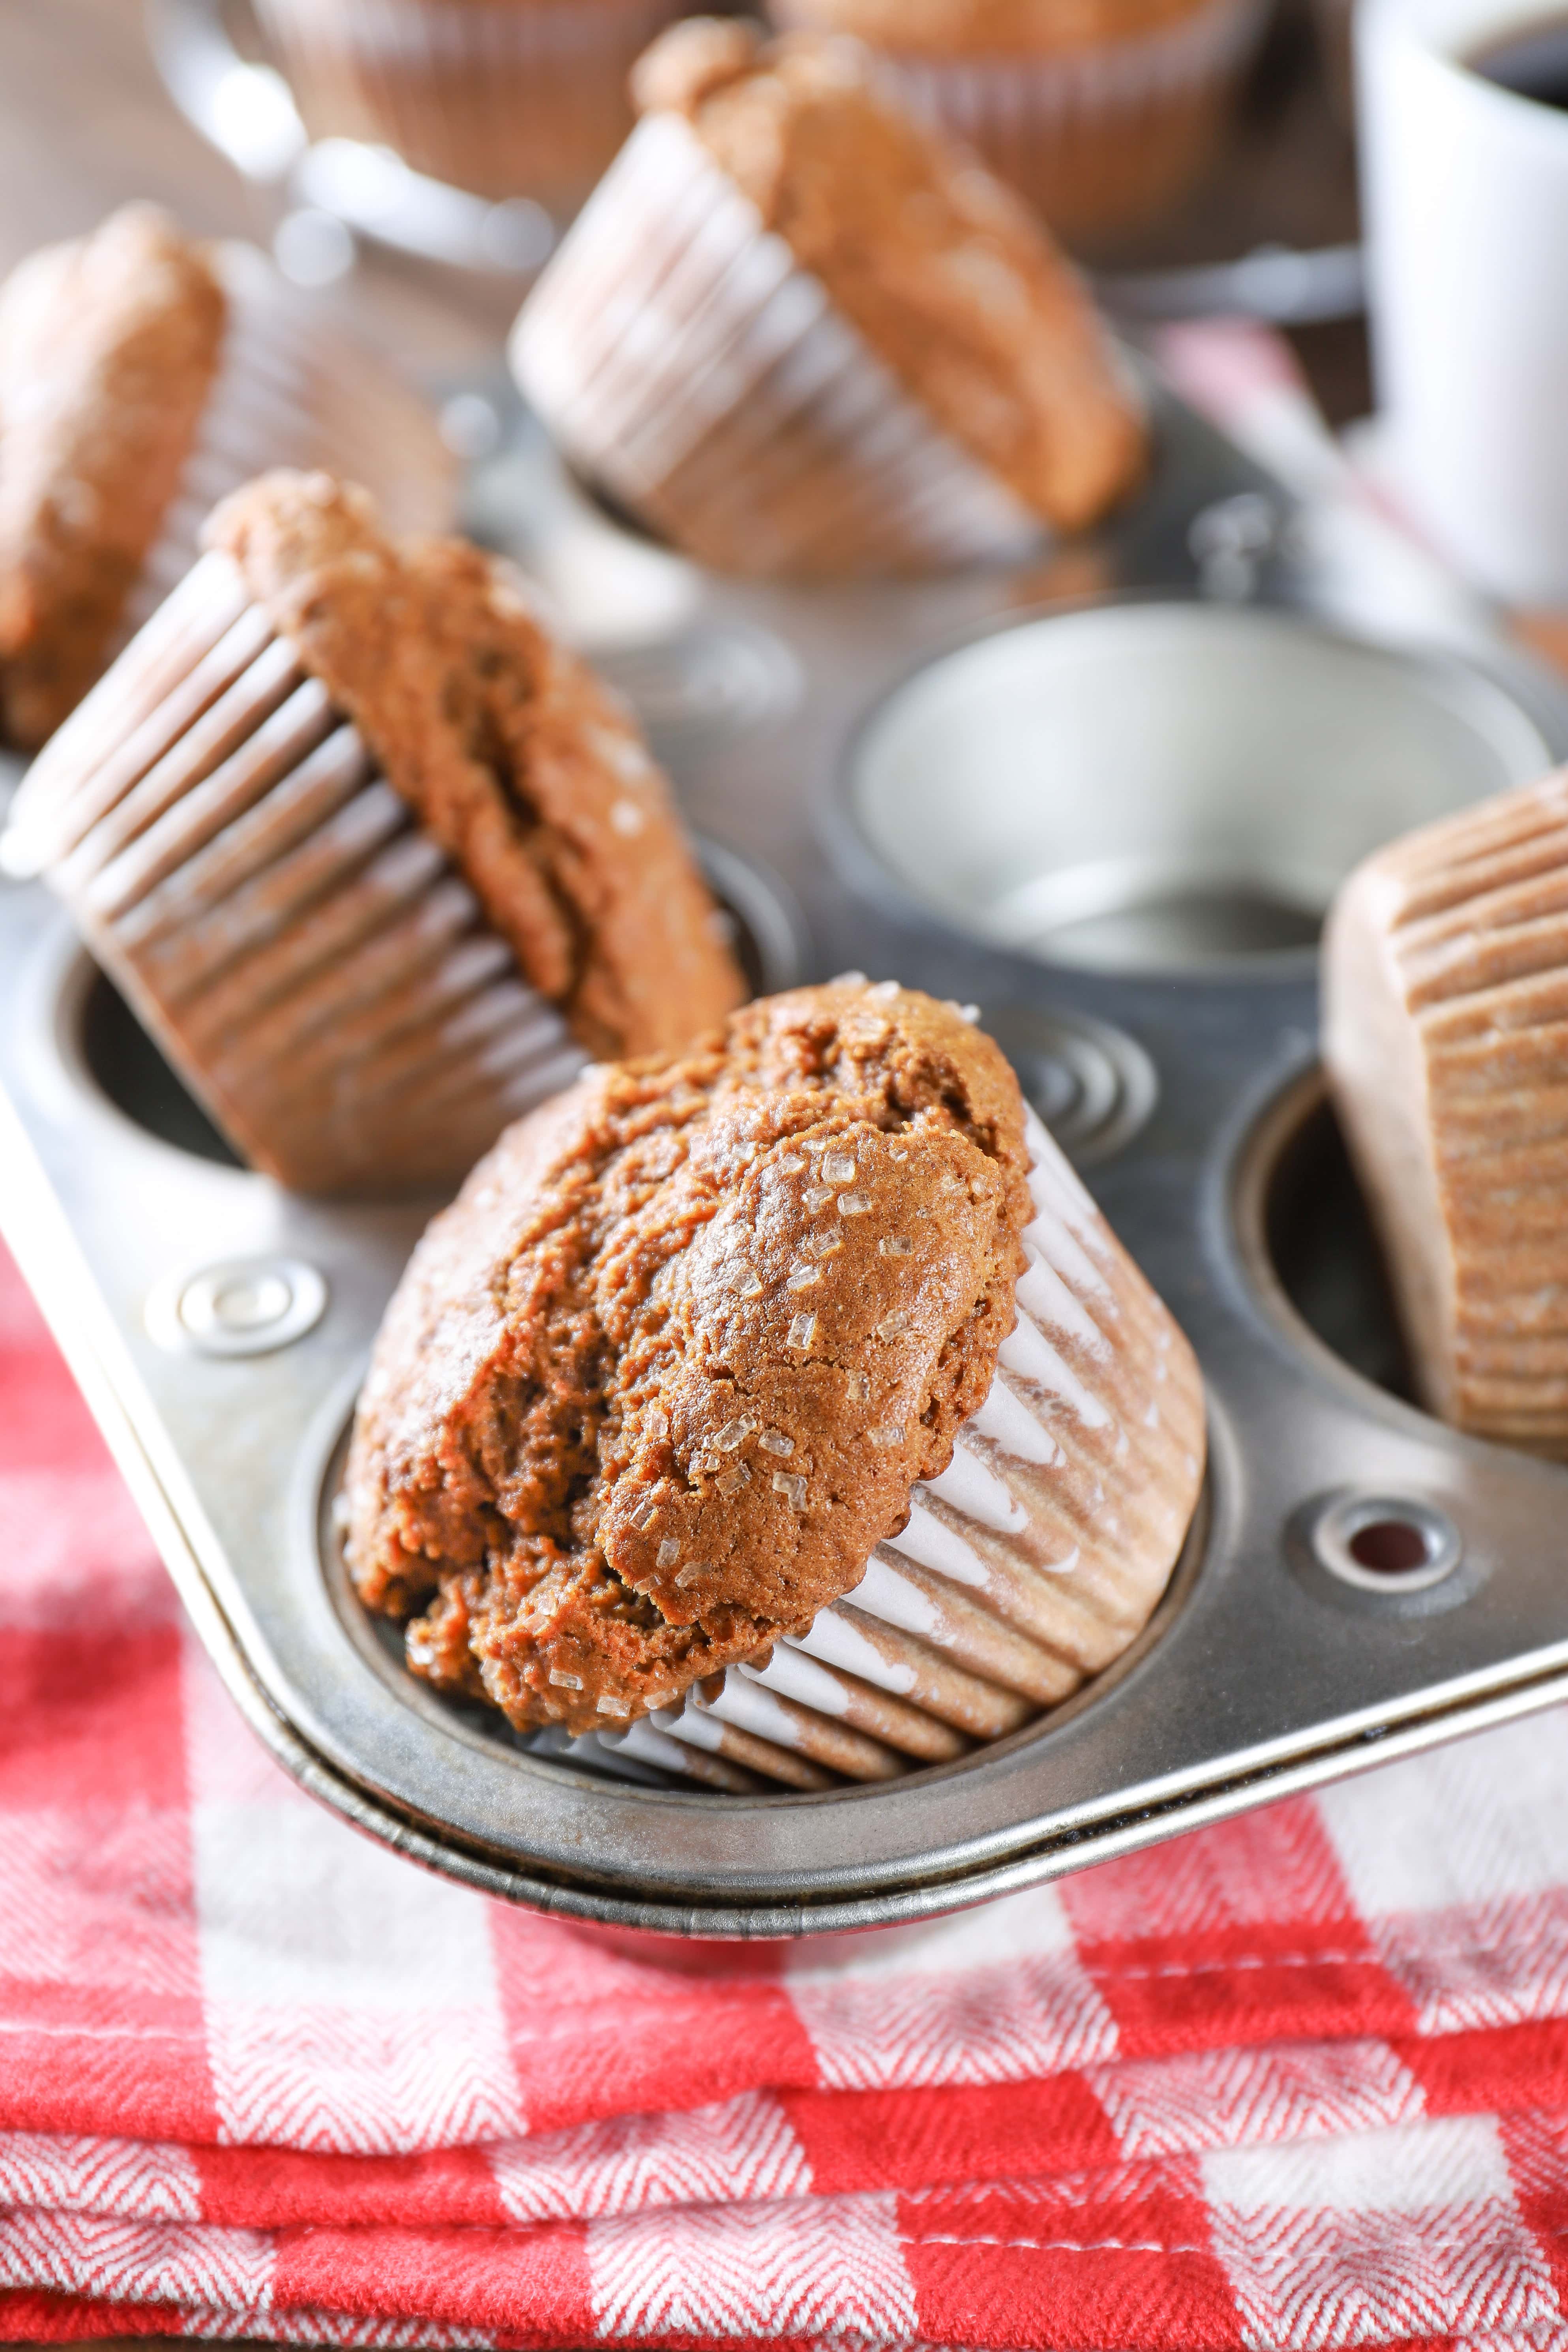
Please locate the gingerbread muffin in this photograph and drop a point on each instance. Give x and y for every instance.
(142, 376)
(721, 1337)
(505, 97)
(800, 333)
(1446, 1023)
(375, 858)
(1102, 112)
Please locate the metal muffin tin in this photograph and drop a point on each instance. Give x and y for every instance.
(1361, 1582)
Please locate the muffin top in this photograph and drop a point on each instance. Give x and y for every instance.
(986, 28)
(944, 271)
(512, 755)
(109, 347)
(658, 1383)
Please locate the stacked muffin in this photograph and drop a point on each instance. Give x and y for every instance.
(375, 859)
(799, 332)
(141, 378)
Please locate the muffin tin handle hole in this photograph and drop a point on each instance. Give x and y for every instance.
(1384, 1543)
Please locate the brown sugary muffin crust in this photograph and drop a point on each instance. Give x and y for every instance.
(511, 753)
(109, 347)
(944, 271)
(655, 1386)
(988, 29)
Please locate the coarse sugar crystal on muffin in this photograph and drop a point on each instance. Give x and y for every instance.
(142, 376)
(374, 856)
(694, 1352)
(801, 331)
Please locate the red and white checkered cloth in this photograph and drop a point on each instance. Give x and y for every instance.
(1299, 2081)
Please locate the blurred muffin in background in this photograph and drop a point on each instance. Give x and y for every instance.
(1102, 112)
(801, 333)
(142, 377)
(504, 98)
(375, 860)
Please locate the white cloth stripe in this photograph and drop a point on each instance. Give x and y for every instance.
(1480, 1820)
(136, 2262)
(1412, 2233)
(1240, 2098)
(995, 1995)
(138, 2180)
(742, 2149)
(315, 2328)
(820, 2266)
(351, 2001)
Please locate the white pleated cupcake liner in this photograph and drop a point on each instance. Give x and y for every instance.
(1445, 1005)
(490, 33)
(291, 391)
(323, 980)
(508, 98)
(684, 360)
(1027, 1568)
(1099, 136)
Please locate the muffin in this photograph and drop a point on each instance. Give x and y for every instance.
(798, 333)
(374, 859)
(1445, 1017)
(1102, 112)
(505, 97)
(788, 1390)
(142, 377)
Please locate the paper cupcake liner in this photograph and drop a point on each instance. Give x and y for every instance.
(1100, 139)
(504, 98)
(1026, 1570)
(685, 362)
(322, 979)
(1445, 1038)
(291, 391)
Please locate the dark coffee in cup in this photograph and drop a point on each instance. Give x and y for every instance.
(1532, 62)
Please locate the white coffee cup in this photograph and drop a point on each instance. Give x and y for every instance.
(1466, 188)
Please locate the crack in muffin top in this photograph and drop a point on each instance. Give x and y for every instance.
(655, 1387)
(514, 757)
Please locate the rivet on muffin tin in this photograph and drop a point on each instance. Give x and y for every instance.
(241, 1306)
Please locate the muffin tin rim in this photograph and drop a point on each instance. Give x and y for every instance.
(316, 1536)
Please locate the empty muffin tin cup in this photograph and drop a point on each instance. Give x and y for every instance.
(1165, 788)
